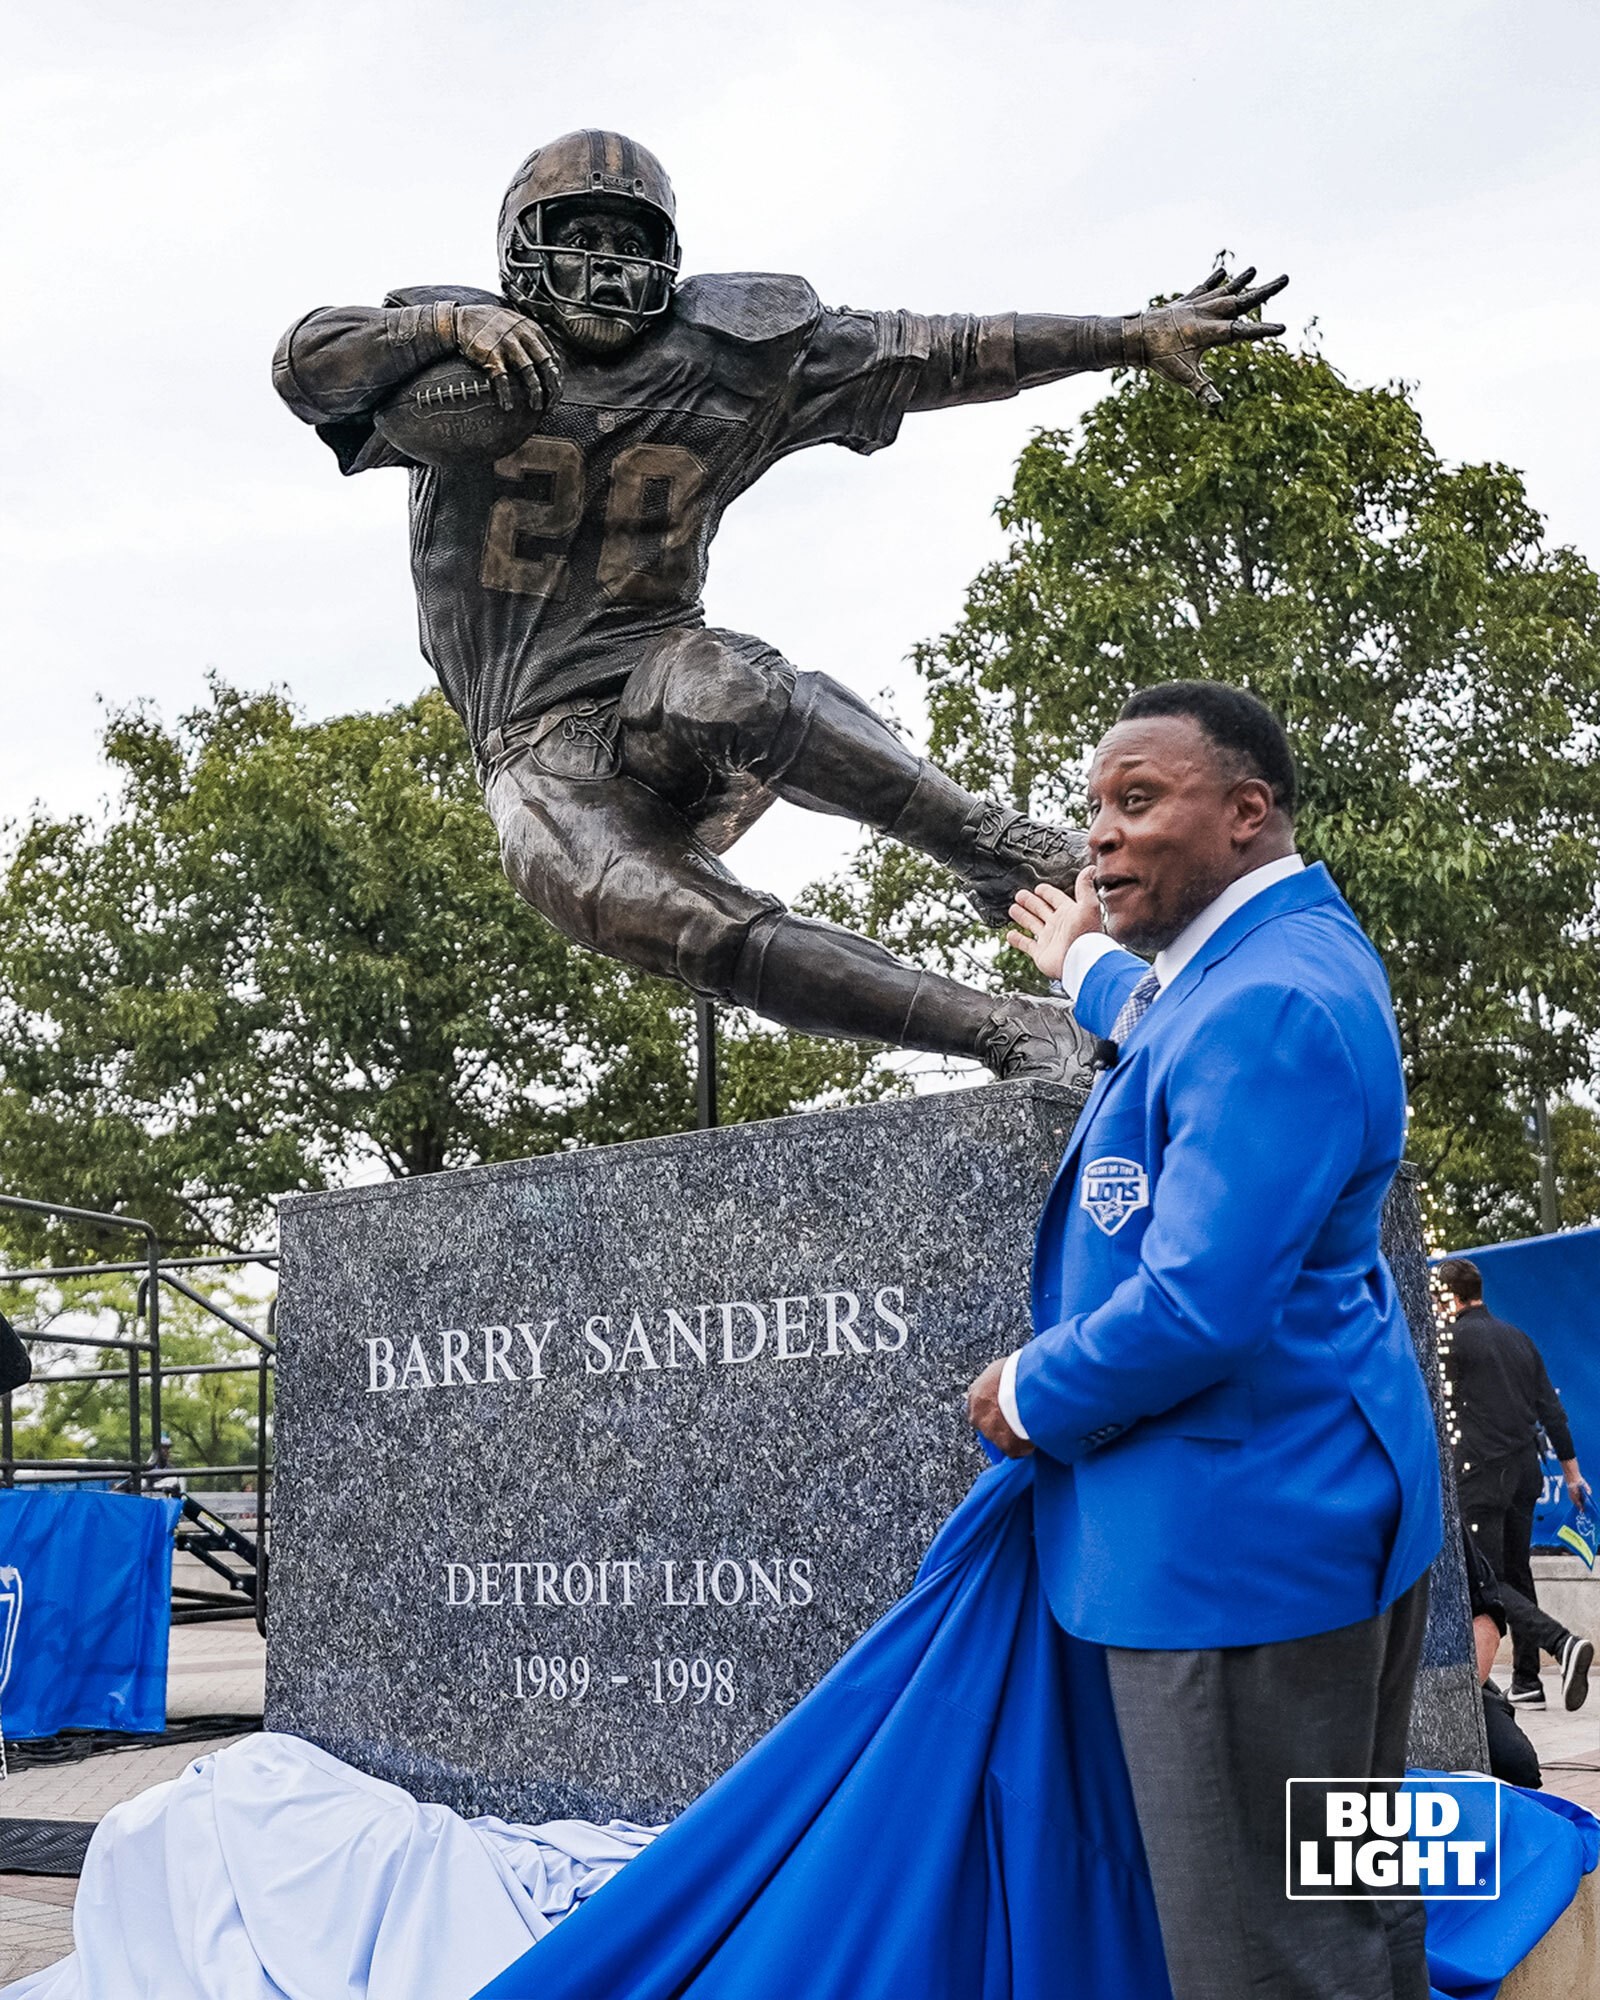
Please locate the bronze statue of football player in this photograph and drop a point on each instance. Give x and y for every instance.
(572, 440)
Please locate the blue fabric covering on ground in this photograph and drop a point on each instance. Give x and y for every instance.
(948, 1815)
(1546, 1846)
(85, 1591)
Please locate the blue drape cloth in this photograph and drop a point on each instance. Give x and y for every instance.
(85, 1609)
(1547, 1845)
(946, 1817)
(948, 1814)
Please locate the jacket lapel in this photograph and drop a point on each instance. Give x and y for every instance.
(1060, 1181)
(1308, 890)
(1312, 887)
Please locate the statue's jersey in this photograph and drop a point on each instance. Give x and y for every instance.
(540, 576)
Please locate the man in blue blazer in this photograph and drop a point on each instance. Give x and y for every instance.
(1237, 1490)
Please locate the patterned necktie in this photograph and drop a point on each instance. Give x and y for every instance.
(1135, 1007)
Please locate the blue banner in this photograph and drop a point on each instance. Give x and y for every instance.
(1554, 1511)
(1547, 1285)
(1557, 1524)
(85, 1597)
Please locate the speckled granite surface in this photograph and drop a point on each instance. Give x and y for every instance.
(868, 1262)
(1447, 1709)
(589, 1466)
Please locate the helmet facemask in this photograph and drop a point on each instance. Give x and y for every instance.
(600, 300)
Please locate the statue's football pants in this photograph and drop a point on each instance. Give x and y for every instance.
(611, 812)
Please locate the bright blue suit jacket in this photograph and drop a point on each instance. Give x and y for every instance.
(1235, 1441)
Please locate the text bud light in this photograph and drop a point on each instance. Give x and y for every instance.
(1434, 1835)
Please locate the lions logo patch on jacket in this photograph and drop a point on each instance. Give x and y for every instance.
(1112, 1189)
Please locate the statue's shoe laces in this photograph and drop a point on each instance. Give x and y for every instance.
(1006, 851)
(1028, 1037)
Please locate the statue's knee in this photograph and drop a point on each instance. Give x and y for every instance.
(655, 921)
(703, 688)
(716, 953)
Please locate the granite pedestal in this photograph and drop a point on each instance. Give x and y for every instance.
(590, 1466)
(1447, 1708)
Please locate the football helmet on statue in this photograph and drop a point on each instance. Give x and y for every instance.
(589, 171)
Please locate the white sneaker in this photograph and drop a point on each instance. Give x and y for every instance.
(1577, 1656)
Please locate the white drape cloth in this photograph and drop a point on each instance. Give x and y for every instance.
(271, 1871)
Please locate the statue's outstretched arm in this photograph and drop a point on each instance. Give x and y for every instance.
(1170, 339)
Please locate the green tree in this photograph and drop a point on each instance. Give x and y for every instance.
(1437, 664)
(210, 1418)
(289, 954)
(1575, 1137)
(1501, 1154)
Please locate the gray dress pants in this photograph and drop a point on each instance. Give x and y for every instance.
(1210, 1738)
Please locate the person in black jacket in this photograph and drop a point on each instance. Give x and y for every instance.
(16, 1364)
(1503, 1398)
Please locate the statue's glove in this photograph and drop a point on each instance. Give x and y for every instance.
(1172, 338)
(510, 348)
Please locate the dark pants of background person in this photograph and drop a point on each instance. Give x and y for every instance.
(1497, 1503)
(1511, 1755)
(1210, 1738)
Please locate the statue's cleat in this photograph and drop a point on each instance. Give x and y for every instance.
(1026, 1037)
(1006, 851)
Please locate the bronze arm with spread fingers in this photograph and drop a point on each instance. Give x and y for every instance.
(1169, 339)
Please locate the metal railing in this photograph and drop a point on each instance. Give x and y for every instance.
(144, 1375)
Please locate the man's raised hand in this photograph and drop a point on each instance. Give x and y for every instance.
(1171, 339)
(1050, 921)
(511, 349)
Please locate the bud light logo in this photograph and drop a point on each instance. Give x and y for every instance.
(1436, 1836)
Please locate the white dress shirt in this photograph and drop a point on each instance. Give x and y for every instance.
(1169, 962)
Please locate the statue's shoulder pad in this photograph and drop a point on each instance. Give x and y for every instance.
(432, 295)
(751, 307)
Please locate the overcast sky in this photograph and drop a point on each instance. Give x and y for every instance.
(185, 179)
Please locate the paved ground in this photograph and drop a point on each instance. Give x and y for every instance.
(219, 1669)
(212, 1670)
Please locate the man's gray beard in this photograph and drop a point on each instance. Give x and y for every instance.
(597, 333)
